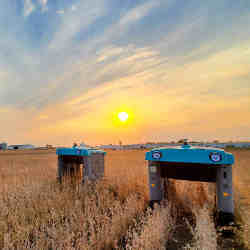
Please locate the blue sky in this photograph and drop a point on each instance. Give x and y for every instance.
(181, 68)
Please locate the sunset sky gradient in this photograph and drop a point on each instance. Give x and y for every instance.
(180, 69)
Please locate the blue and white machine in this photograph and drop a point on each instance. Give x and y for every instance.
(191, 163)
(80, 163)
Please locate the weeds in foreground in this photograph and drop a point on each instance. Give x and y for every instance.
(204, 233)
(37, 213)
(66, 218)
(153, 231)
(91, 216)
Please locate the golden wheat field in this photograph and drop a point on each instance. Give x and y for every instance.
(242, 187)
(38, 213)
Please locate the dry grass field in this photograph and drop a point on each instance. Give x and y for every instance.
(38, 213)
(242, 185)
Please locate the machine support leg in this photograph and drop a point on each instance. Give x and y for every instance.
(60, 169)
(165, 188)
(74, 171)
(88, 175)
(224, 190)
(155, 183)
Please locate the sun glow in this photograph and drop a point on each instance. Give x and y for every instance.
(123, 116)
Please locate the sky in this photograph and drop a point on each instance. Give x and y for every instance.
(180, 69)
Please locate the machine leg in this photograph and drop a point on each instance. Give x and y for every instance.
(165, 188)
(155, 183)
(67, 170)
(60, 169)
(224, 190)
(88, 175)
(74, 171)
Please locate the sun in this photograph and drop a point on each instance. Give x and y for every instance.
(123, 116)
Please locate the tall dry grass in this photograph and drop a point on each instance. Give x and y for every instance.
(204, 233)
(52, 217)
(153, 230)
(241, 173)
(37, 213)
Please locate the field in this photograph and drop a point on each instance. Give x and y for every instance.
(242, 184)
(38, 213)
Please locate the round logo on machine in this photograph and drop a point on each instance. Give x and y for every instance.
(215, 157)
(156, 155)
(78, 151)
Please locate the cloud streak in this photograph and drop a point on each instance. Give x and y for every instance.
(43, 4)
(28, 8)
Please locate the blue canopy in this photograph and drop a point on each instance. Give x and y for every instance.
(190, 154)
(78, 151)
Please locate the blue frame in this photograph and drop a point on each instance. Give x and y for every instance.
(190, 154)
(78, 151)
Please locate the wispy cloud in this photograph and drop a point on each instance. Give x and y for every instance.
(28, 8)
(73, 7)
(77, 21)
(60, 12)
(138, 12)
(43, 4)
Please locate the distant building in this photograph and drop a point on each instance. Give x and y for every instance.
(25, 146)
(110, 146)
(227, 145)
(83, 145)
(157, 145)
(3, 146)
